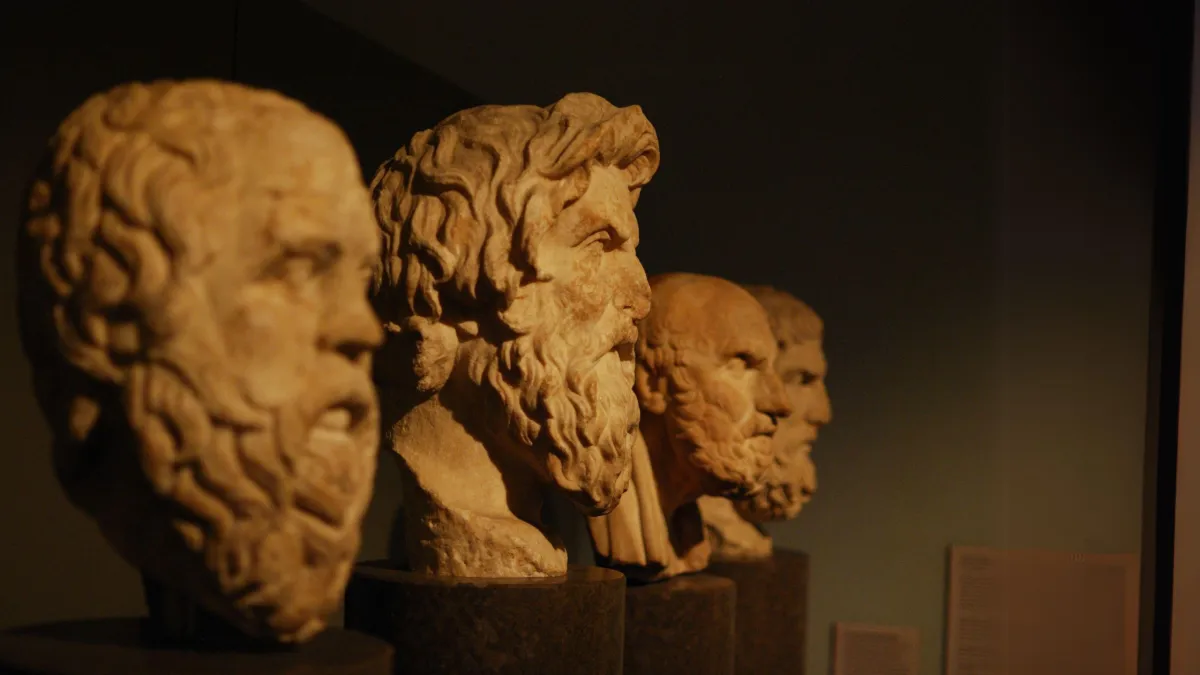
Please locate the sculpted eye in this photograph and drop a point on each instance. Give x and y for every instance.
(601, 240)
(291, 269)
(744, 360)
(298, 268)
(803, 377)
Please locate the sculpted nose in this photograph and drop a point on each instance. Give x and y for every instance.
(773, 399)
(352, 329)
(821, 412)
(636, 298)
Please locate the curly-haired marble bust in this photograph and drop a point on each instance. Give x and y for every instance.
(509, 286)
(711, 403)
(734, 527)
(193, 267)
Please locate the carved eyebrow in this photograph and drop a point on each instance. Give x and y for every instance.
(583, 234)
(323, 252)
(591, 222)
(754, 357)
(317, 247)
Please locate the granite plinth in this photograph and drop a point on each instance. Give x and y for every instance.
(573, 625)
(772, 611)
(684, 625)
(125, 647)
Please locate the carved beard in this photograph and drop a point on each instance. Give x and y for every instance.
(789, 485)
(734, 455)
(268, 517)
(572, 402)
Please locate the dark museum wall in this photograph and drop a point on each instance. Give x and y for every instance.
(53, 562)
(963, 190)
(1185, 625)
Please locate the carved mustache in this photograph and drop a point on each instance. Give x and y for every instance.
(761, 424)
(621, 341)
(344, 400)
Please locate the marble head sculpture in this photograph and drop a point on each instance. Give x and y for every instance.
(734, 527)
(711, 402)
(510, 287)
(193, 267)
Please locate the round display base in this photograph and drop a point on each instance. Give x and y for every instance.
(123, 647)
(682, 625)
(772, 611)
(572, 625)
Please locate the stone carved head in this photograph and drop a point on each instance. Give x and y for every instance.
(193, 268)
(791, 479)
(711, 402)
(509, 281)
(706, 366)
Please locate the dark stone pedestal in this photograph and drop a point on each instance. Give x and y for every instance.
(772, 612)
(123, 647)
(683, 625)
(181, 638)
(573, 625)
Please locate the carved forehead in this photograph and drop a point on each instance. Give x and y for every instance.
(308, 170)
(183, 156)
(691, 310)
(797, 357)
(606, 202)
(222, 130)
(792, 320)
(294, 172)
(301, 153)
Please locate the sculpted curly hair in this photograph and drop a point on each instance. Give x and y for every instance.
(117, 225)
(462, 207)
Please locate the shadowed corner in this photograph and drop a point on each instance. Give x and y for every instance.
(563, 517)
(396, 550)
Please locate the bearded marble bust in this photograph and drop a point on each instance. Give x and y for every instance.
(509, 287)
(734, 527)
(193, 268)
(711, 403)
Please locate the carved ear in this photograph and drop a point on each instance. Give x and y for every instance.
(651, 390)
(436, 352)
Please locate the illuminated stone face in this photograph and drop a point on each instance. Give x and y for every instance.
(194, 266)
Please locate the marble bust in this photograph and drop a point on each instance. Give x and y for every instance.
(711, 402)
(509, 287)
(193, 265)
(734, 527)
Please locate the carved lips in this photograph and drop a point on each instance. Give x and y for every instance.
(339, 450)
